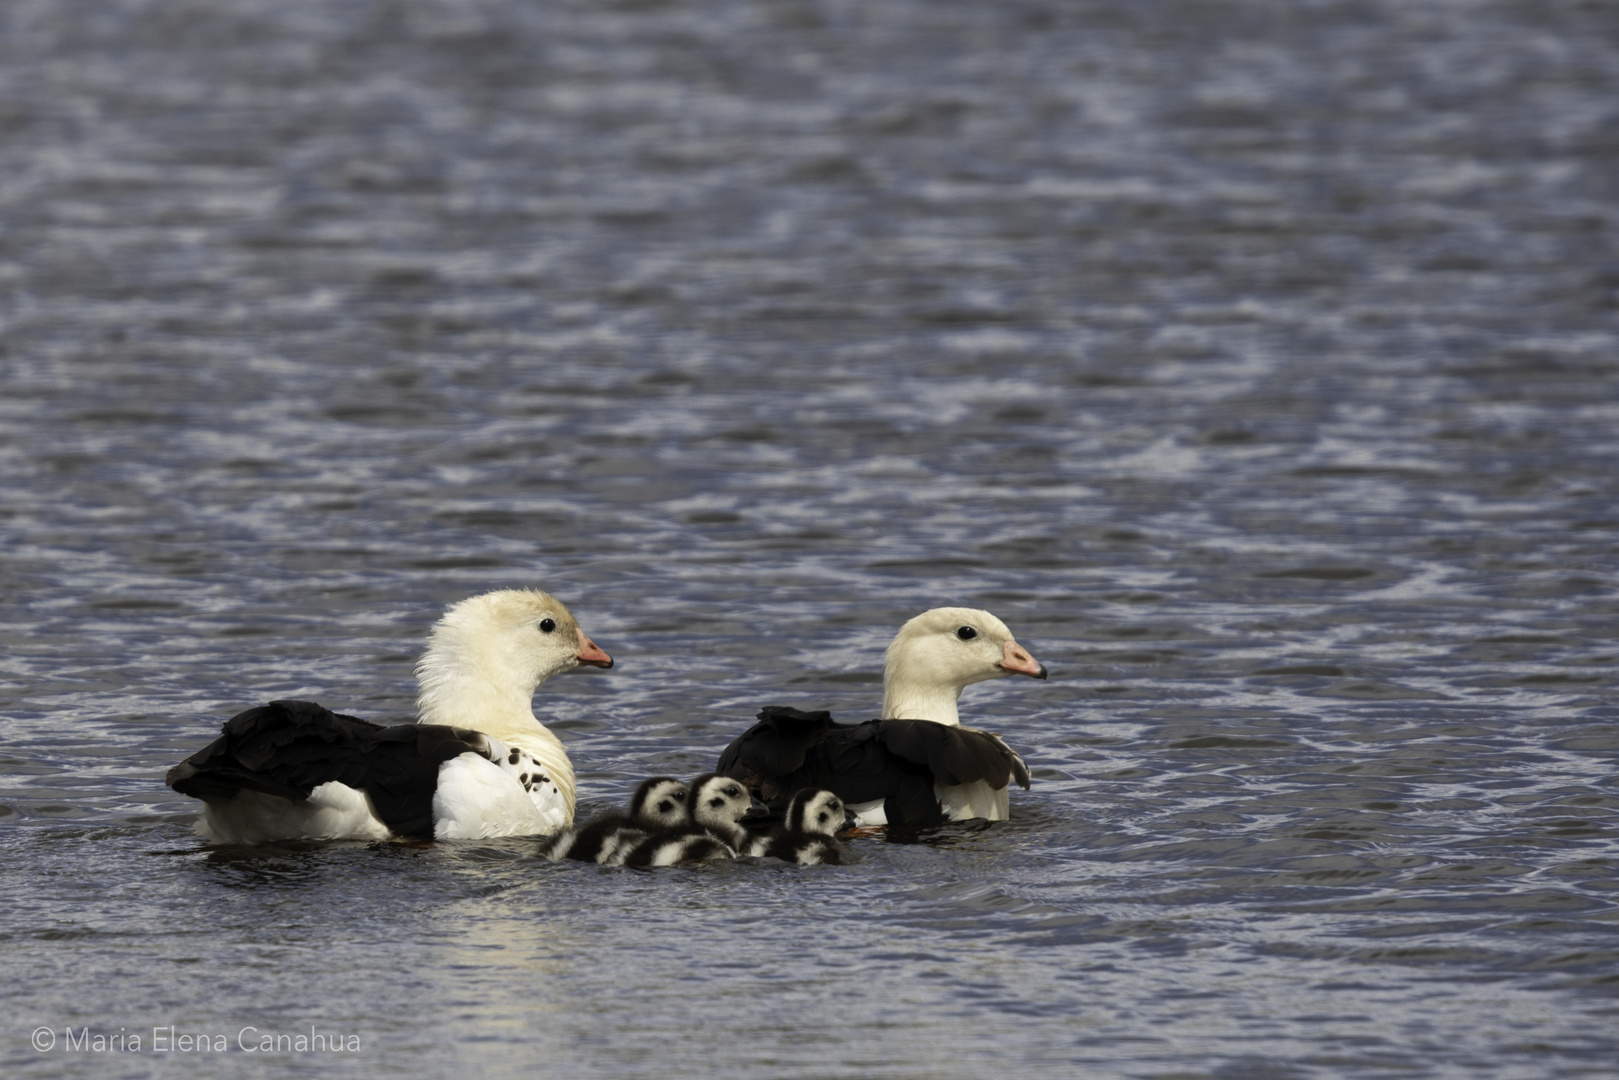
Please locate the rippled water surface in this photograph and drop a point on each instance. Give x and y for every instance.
(1258, 363)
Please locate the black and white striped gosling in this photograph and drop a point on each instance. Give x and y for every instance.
(814, 817)
(715, 808)
(659, 803)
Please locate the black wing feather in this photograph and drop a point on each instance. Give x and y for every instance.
(778, 744)
(898, 761)
(289, 748)
(956, 755)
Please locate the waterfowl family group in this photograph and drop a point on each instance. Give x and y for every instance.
(477, 763)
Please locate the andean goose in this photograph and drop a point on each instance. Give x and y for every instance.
(476, 764)
(809, 836)
(658, 803)
(917, 765)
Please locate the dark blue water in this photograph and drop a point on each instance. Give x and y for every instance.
(1257, 363)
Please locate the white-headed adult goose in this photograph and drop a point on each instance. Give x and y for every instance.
(917, 765)
(476, 764)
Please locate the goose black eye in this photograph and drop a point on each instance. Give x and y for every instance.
(966, 633)
(547, 625)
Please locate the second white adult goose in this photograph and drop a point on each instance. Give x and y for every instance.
(476, 764)
(917, 765)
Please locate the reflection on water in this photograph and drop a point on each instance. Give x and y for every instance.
(1256, 366)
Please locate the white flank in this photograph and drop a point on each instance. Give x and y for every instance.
(333, 811)
(477, 799)
(962, 802)
(868, 814)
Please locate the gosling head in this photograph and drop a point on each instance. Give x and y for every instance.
(816, 811)
(660, 803)
(718, 801)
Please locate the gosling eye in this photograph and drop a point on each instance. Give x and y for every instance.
(547, 625)
(822, 818)
(966, 633)
(680, 797)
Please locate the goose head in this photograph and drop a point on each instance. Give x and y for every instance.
(718, 802)
(815, 811)
(660, 803)
(488, 653)
(941, 652)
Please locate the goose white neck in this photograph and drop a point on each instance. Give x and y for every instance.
(920, 699)
(469, 700)
(456, 690)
